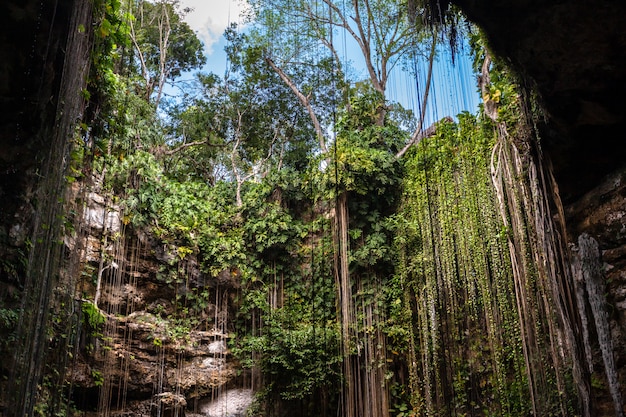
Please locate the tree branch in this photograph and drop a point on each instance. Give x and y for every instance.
(484, 82)
(303, 100)
(164, 35)
(430, 131)
(144, 67)
(233, 159)
(187, 145)
(364, 42)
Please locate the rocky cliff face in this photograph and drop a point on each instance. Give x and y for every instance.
(600, 214)
(146, 355)
(40, 100)
(573, 54)
(32, 44)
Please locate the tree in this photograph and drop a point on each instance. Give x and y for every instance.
(248, 118)
(164, 45)
(300, 33)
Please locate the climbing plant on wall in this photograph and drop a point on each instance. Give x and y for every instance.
(483, 309)
(454, 267)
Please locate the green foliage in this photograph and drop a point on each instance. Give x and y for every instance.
(269, 230)
(201, 219)
(364, 156)
(455, 272)
(8, 318)
(364, 166)
(111, 31)
(298, 360)
(111, 37)
(93, 318)
(98, 378)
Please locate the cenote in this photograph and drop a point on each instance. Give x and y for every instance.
(382, 208)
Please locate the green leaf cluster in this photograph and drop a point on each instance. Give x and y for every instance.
(93, 318)
(297, 360)
(363, 157)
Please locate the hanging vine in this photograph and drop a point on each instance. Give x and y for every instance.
(466, 338)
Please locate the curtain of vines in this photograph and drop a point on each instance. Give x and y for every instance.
(484, 271)
(466, 340)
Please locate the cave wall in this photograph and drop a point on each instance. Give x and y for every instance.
(147, 361)
(32, 41)
(573, 54)
(45, 49)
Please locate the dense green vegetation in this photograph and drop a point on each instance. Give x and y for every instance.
(370, 282)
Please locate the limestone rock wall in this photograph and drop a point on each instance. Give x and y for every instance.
(149, 357)
(601, 215)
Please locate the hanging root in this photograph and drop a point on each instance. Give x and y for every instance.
(592, 277)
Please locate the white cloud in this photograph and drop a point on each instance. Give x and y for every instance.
(210, 18)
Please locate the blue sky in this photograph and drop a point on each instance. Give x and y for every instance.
(452, 90)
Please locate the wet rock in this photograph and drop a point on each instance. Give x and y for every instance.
(17, 234)
(230, 403)
(219, 346)
(201, 376)
(100, 215)
(169, 404)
